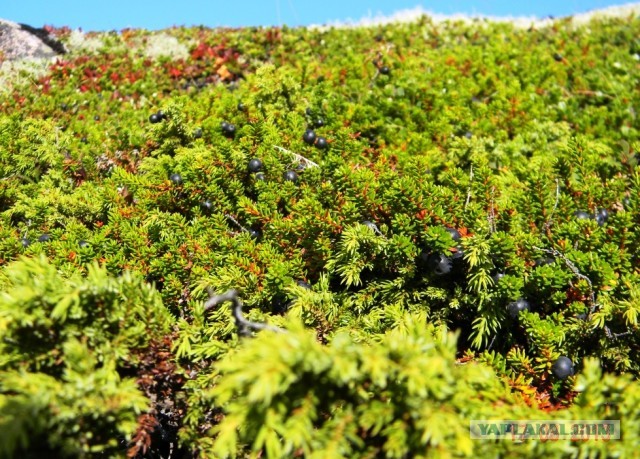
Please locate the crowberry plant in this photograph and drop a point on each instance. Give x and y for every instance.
(463, 199)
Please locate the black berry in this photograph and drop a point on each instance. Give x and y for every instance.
(458, 255)
(602, 215)
(260, 176)
(228, 129)
(162, 115)
(291, 176)
(304, 285)
(241, 107)
(516, 307)
(582, 215)
(154, 118)
(562, 368)
(96, 118)
(321, 143)
(319, 122)
(206, 206)
(497, 276)
(281, 304)
(197, 134)
(385, 70)
(25, 242)
(309, 137)
(176, 179)
(255, 234)
(558, 57)
(455, 235)
(44, 238)
(255, 165)
(439, 264)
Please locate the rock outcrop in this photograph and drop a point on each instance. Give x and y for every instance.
(21, 41)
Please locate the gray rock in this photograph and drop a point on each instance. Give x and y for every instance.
(21, 41)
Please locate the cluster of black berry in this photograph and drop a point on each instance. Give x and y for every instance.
(309, 137)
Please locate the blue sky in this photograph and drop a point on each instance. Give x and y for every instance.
(157, 14)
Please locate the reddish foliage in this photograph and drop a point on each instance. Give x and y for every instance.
(175, 72)
(142, 438)
(159, 379)
(202, 51)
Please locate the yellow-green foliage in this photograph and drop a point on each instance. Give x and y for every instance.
(491, 167)
(64, 345)
(285, 394)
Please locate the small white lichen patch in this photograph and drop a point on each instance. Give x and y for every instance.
(164, 45)
(19, 72)
(79, 41)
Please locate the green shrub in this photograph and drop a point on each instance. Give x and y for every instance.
(487, 184)
(66, 347)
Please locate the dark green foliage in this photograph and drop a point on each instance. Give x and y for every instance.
(419, 177)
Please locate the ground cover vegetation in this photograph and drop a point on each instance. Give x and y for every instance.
(438, 223)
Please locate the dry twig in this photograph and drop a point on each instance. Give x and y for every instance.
(244, 325)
